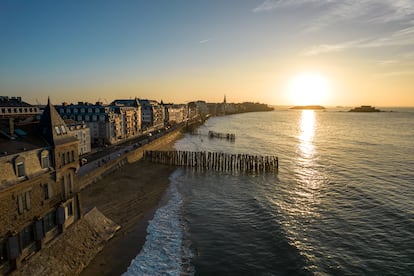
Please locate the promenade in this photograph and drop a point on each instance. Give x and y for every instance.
(104, 155)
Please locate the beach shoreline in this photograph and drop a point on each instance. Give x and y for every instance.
(129, 197)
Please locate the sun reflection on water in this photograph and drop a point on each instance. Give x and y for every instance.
(309, 177)
(307, 129)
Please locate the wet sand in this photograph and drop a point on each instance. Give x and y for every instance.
(129, 197)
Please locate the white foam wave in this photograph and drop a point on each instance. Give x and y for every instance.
(163, 252)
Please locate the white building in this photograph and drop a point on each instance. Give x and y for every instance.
(82, 132)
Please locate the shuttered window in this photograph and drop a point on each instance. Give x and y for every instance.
(49, 221)
(27, 236)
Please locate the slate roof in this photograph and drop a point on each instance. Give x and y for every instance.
(54, 128)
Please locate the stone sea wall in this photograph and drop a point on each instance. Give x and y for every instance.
(129, 157)
(72, 251)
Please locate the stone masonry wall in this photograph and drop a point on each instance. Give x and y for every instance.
(71, 252)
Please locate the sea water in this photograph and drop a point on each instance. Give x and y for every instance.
(341, 204)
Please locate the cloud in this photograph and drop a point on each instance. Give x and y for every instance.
(403, 37)
(204, 41)
(393, 74)
(374, 11)
(269, 5)
(386, 62)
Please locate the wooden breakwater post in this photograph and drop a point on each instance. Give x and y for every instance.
(218, 161)
(228, 136)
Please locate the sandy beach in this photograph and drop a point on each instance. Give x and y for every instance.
(129, 197)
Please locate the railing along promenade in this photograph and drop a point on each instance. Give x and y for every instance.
(217, 161)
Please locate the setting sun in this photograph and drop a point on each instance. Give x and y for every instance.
(308, 89)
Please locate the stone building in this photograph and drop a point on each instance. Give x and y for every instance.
(175, 113)
(130, 112)
(15, 107)
(38, 187)
(152, 114)
(82, 132)
(105, 125)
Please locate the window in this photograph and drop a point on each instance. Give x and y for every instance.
(64, 187)
(75, 111)
(82, 110)
(69, 209)
(47, 191)
(73, 155)
(49, 221)
(45, 161)
(71, 187)
(3, 253)
(27, 200)
(27, 236)
(23, 202)
(67, 157)
(57, 129)
(62, 127)
(20, 169)
(20, 206)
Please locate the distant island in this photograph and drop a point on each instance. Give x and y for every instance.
(308, 107)
(365, 108)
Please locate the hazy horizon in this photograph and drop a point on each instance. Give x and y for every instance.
(292, 52)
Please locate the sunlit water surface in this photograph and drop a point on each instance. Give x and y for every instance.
(341, 204)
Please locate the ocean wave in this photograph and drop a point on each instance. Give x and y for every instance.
(164, 252)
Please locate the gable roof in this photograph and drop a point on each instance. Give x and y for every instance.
(53, 127)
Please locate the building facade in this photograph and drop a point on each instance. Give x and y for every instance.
(82, 132)
(175, 113)
(38, 188)
(15, 107)
(152, 114)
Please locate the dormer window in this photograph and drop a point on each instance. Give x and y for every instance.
(62, 127)
(44, 159)
(19, 166)
(20, 169)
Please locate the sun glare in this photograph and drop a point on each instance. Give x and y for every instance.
(308, 89)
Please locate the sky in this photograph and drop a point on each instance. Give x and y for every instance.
(362, 51)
